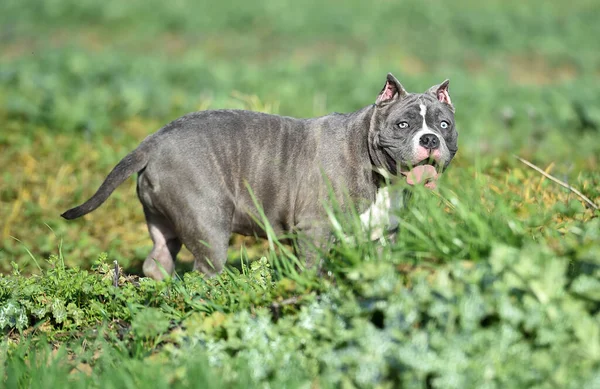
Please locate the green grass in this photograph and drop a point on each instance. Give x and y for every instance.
(492, 282)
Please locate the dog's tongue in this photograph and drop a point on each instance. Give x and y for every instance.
(422, 174)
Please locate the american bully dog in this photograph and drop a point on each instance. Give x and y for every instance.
(202, 176)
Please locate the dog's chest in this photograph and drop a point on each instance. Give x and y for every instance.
(379, 217)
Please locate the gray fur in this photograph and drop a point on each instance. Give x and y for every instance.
(194, 173)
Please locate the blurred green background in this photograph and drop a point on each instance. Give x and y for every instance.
(493, 282)
(83, 81)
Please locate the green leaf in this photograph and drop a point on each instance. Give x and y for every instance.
(587, 286)
(149, 322)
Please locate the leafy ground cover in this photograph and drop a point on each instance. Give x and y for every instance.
(493, 281)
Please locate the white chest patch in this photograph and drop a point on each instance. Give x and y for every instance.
(377, 219)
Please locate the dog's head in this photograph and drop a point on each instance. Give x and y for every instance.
(413, 134)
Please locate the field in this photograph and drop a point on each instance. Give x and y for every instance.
(494, 281)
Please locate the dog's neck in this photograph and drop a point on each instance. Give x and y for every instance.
(381, 177)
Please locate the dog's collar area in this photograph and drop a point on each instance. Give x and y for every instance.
(382, 172)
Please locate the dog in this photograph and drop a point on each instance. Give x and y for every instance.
(205, 175)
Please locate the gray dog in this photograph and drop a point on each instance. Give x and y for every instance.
(197, 175)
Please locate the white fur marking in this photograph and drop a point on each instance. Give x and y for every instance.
(423, 112)
(376, 218)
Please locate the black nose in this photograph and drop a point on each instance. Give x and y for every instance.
(430, 141)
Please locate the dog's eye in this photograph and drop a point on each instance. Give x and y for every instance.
(403, 125)
(444, 124)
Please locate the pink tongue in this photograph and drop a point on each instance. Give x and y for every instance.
(422, 174)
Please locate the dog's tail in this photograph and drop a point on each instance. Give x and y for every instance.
(132, 163)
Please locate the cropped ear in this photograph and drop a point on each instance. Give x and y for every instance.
(441, 93)
(392, 91)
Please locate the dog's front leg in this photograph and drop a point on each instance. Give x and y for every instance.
(312, 243)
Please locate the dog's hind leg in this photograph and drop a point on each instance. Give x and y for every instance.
(207, 238)
(161, 260)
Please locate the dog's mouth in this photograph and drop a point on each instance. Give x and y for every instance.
(425, 172)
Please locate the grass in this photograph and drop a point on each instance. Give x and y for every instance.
(492, 282)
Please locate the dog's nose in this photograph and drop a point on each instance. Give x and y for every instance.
(430, 141)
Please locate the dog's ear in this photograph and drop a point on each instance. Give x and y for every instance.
(441, 93)
(392, 91)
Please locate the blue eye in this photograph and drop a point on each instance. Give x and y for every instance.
(444, 124)
(403, 125)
